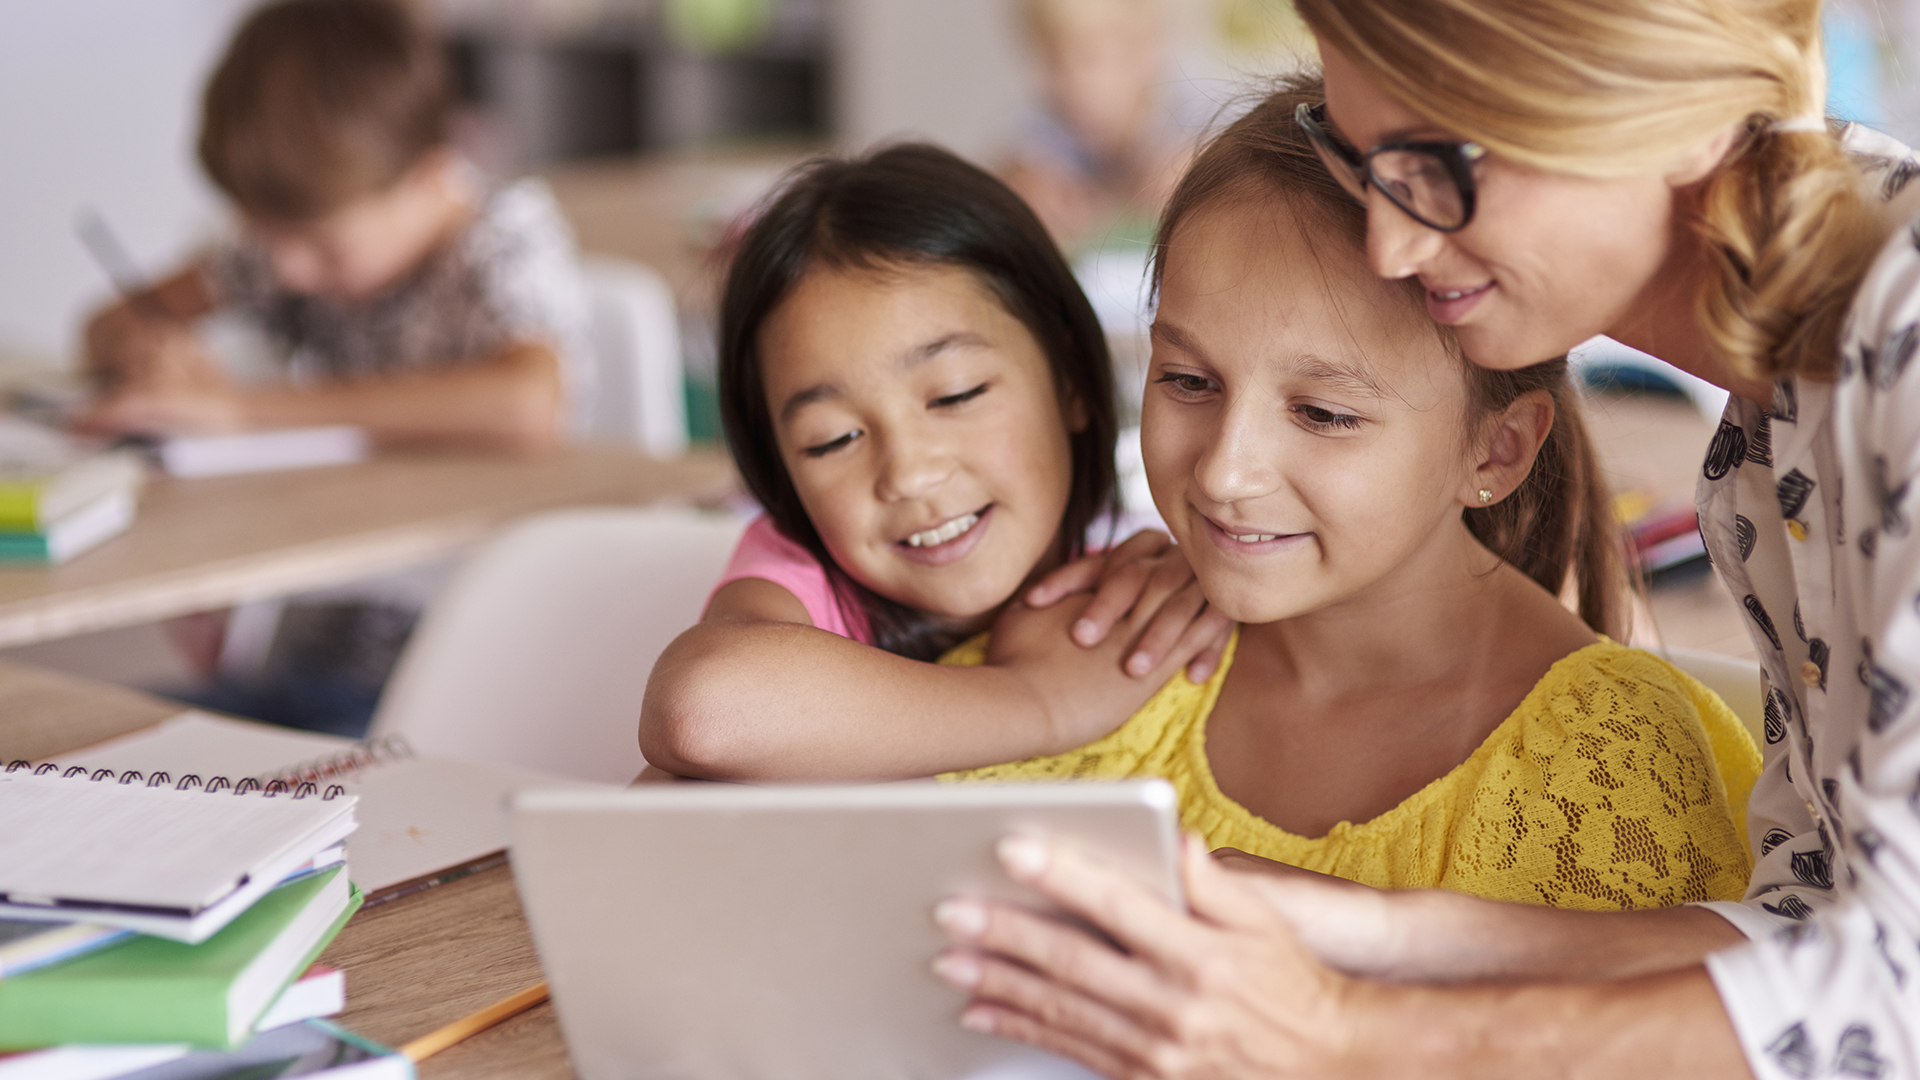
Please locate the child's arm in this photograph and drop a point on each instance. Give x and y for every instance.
(510, 399)
(755, 692)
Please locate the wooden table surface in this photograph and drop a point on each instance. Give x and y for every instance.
(198, 545)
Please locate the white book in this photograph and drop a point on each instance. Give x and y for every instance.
(87, 1062)
(192, 456)
(418, 816)
(177, 858)
(88, 527)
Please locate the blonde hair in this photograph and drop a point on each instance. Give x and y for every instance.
(1607, 88)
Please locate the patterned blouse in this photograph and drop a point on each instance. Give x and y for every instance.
(1808, 515)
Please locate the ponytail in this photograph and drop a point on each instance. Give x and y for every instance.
(1790, 237)
(1558, 527)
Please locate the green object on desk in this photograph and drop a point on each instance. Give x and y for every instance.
(151, 990)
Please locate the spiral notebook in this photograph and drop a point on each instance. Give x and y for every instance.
(175, 858)
(420, 817)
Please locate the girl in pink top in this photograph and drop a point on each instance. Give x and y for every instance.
(915, 389)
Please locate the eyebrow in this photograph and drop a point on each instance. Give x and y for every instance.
(1308, 367)
(912, 358)
(1415, 133)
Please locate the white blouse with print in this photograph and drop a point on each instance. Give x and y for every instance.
(1809, 511)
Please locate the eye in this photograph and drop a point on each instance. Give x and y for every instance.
(957, 399)
(825, 448)
(1185, 384)
(1320, 418)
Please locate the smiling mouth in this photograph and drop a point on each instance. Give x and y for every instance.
(1459, 294)
(944, 532)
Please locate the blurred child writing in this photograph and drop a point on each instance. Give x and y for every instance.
(411, 298)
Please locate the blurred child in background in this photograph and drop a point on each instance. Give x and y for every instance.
(408, 295)
(1103, 151)
(411, 297)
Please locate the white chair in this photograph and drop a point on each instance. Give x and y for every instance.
(638, 383)
(537, 653)
(1736, 681)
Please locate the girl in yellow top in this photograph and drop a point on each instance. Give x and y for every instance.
(1407, 702)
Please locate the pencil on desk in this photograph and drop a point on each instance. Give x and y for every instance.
(468, 1026)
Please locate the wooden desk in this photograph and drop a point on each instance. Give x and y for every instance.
(412, 964)
(204, 544)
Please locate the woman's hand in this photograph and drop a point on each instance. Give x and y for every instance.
(1224, 992)
(1147, 571)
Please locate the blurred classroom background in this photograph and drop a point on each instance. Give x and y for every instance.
(659, 123)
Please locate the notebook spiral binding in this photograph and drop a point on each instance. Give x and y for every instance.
(299, 782)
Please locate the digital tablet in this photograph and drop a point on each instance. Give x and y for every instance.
(707, 931)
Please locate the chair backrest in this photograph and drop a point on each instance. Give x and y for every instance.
(538, 651)
(639, 395)
(1736, 681)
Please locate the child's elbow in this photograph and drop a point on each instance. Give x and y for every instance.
(531, 418)
(687, 714)
(683, 730)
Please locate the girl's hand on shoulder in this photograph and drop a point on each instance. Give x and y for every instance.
(1082, 690)
(1147, 574)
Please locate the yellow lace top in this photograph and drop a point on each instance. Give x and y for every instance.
(1618, 783)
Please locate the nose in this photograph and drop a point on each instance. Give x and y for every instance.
(916, 464)
(1238, 462)
(1397, 245)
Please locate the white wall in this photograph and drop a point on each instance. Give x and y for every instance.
(97, 106)
(955, 71)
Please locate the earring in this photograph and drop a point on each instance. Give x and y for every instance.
(1485, 496)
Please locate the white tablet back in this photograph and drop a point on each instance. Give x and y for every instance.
(715, 931)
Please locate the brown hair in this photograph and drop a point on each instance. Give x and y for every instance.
(1626, 87)
(320, 102)
(1558, 525)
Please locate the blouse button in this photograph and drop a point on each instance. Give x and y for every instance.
(1810, 673)
(1797, 527)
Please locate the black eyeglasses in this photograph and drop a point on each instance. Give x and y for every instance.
(1431, 181)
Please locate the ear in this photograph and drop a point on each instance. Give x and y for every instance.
(1508, 445)
(1702, 160)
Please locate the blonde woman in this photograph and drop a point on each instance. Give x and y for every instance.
(1659, 171)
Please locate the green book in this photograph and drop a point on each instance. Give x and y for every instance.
(152, 990)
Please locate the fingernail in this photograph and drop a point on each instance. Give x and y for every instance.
(977, 1019)
(958, 969)
(1139, 664)
(1024, 857)
(1199, 673)
(1084, 630)
(961, 918)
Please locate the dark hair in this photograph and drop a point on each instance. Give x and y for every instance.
(1559, 522)
(320, 102)
(908, 205)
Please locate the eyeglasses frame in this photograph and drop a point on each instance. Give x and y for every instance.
(1458, 158)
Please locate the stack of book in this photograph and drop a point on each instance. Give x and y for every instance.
(166, 928)
(60, 495)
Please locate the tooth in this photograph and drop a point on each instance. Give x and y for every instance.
(940, 534)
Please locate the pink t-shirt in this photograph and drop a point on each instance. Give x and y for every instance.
(763, 552)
